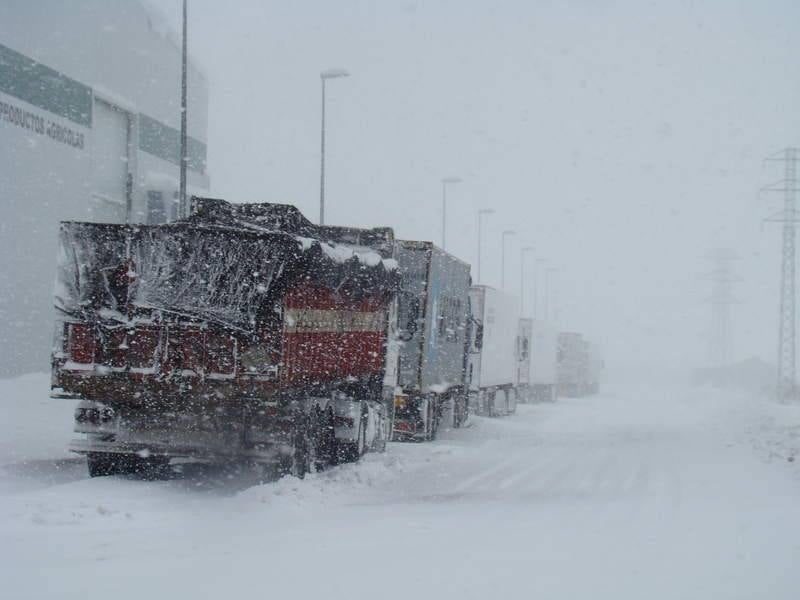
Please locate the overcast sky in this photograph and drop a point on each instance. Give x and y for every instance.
(622, 139)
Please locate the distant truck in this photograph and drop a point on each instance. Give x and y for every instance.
(572, 363)
(433, 332)
(493, 354)
(544, 362)
(242, 332)
(523, 364)
(594, 369)
(579, 365)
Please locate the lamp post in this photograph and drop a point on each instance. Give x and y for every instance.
(549, 272)
(506, 233)
(324, 76)
(522, 253)
(445, 182)
(183, 206)
(539, 261)
(481, 213)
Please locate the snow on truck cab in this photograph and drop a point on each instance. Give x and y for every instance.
(243, 331)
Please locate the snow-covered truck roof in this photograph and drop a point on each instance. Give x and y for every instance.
(226, 263)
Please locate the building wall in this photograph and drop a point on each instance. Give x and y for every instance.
(89, 130)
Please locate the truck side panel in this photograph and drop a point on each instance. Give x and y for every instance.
(326, 338)
(446, 322)
(500, 320)
(524, 343)
(413, 261)
(544, 354)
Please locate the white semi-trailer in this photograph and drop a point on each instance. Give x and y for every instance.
(594, 369)
(571, 363)
(523, 366)
(544, 362)
(491, 370)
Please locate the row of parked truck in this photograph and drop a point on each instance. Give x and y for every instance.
(247, 332)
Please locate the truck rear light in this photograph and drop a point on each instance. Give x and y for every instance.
(81, 343)
(94, 414)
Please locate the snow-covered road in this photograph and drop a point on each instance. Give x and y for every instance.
(636, 493)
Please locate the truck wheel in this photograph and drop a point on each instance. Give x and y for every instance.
(296, 463)
(511, 400)
(325, 454)
(349, 452)
(101, 465)
(433, 420)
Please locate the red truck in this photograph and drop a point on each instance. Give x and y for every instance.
(242, 332)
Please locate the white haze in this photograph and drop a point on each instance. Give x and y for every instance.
(622, 139)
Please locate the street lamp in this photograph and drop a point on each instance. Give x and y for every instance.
(446, 181)
(182, 203)
(549, 272)
(324, 76)
(506, 233)
(539, 261)
(522, 253)
(483, 212)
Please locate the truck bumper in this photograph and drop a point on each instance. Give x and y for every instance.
(196, 451)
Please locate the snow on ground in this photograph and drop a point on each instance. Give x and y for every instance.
(640, 492)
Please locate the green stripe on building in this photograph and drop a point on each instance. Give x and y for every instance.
(44, 87)
(165, 142)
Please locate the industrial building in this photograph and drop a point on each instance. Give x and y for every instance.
(90, 131)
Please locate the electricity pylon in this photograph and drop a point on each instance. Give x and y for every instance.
(722, 278)
(787, 320)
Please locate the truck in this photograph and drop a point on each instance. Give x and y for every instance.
(544, 361)
(572, 363)
(433, 333)
(243, 332)
(594, 369)
(580, 365)
(523, 354)
(492, 356)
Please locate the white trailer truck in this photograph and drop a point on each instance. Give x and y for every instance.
(544, 362)
(491, 370)
(523, 366)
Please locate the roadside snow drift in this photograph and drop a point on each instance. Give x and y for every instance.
(638, 493)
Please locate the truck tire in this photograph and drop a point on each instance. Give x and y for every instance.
(511, 401)
(350, 452)
(433, 419)
(296, 464)
(325, 436)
